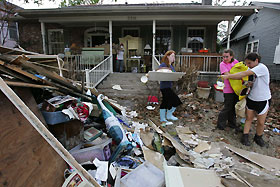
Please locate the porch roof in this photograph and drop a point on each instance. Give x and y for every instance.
(137, 12)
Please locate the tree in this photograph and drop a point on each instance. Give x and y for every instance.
(223, 26)
(7, 10)
(65, 3)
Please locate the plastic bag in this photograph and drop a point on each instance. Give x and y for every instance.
(240, 108)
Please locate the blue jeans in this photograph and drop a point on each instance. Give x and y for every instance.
(119, 67)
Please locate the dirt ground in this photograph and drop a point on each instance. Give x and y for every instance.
(200, 115)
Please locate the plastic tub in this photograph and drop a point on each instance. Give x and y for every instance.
(101, 151)
(203, 92)
(53, 118)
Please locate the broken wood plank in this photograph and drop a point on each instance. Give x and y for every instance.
(23, 84)
(14, 74)
(19, 70)
(267, 162)
(9, 50)
(55, 77)
(44, 132)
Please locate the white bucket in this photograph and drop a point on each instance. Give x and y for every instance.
(203, 92)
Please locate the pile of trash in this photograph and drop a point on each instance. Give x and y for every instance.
(117, 147)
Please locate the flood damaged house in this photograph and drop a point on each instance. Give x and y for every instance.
(88, 35)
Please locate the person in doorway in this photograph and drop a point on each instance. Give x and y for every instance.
(258, 99)
(120, 54)
(169, 99)
(230, 98)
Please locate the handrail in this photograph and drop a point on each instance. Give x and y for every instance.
(98, 73)
(155, 63)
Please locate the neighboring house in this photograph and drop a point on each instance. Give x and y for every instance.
(8, 27)
(259, 32)
(185, 28)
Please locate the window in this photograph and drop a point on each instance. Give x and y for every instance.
(56, 41)
(13, 31)
(252, 47)
(163, 40)
(135, 32)
(195, 38)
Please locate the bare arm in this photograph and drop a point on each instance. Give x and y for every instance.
(239, 75)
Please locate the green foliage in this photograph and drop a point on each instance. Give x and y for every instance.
(65, 3)
(77, 2)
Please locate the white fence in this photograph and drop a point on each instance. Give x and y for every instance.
(205, 63)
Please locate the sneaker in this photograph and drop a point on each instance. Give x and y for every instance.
(259, 140)
(245, 140)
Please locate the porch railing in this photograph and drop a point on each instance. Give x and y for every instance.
(98, 73)
(206, 63)
(155, 63)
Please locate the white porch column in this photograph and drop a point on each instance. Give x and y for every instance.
(111, 46)
(43, 32)
(154, 43)
(228, 34)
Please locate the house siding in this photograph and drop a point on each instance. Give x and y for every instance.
(30, 37)
(264, 27)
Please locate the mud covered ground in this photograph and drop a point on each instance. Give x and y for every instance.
(200, 115)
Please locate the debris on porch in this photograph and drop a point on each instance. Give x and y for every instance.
(106, 143)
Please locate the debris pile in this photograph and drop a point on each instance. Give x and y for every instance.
(113, 146)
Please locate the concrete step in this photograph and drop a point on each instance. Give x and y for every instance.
(131, 85)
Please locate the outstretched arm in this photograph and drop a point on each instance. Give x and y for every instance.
(239, 75)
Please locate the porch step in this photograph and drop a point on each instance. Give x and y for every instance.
(132, 88)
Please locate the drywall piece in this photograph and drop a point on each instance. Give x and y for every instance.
(267, 162)
(164, 76)
(186, 176)
(258, 181)
(183, 130)
(153, 157)
(202, 146)
(183, 153)
(144, 175)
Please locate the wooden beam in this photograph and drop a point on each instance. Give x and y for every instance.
(52, 75)
(44, 132)
(23, 84)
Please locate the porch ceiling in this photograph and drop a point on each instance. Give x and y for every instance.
(132, 13)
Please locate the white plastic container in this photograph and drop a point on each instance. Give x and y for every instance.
(203, 92)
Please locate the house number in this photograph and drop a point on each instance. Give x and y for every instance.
(131, 18)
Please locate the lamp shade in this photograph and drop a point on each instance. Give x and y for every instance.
(147, 46)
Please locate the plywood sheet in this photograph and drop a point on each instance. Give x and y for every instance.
(267, 162)
(164, 76)
(26, 158)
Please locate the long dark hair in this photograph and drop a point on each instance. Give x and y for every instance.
(165, 59)
(253, 56)
(231, 53)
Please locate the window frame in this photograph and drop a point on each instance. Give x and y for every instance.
(252, 46)
(51, 43)
(198, 28)
(171, 36)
